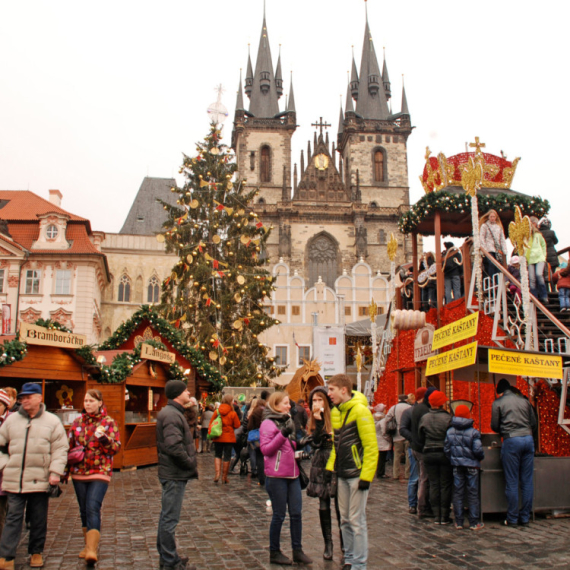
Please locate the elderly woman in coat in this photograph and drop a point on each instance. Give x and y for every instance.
(384, 440)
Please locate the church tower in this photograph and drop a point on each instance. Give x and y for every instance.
(262, 135)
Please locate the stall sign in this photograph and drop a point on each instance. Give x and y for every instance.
(452, 359)
(423, 343)
(525, 364)
(6, 318)
(329, 350)
(32, 334)
(151, 353)
(456, 331)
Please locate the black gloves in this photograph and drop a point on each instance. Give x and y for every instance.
(288, 429)
(363, 485)
(328, 476)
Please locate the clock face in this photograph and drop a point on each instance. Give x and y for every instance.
(321, 161)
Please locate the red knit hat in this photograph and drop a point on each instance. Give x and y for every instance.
(420, 393)
(462, 411)
(437, 399)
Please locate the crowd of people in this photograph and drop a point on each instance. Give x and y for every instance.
(347, 443)
(546, 271)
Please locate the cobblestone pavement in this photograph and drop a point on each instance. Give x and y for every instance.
(226, 527)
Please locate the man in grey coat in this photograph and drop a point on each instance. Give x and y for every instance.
(33, 456)
(176, 465)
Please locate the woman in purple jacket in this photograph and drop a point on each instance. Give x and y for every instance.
(277, 443)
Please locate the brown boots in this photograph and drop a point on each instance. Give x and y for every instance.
(218, 464)
(226, 471)
(91, 545)
(82, 553)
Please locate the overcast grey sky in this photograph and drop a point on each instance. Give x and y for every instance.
(95, 96)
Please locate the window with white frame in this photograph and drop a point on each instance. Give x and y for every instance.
(124, 289)
(51, 231)
(1, 281)
(304, 354)
(63, 282)
(32, 281)
(153, 289)
(281, 355)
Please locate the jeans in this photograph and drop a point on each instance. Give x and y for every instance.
(452, 284)
(440, 475)
(564, 298)
(352, 506)
(517, 455)
(37, 505)
(172, 497)
(413, 480)
(423, 485)
(466, 479)
(381, 469)
(252, 457)
(90, 495)
(260, 464)
(429, 298)
(490, 268)
(536, 280)
(285, 494)
(400, 448)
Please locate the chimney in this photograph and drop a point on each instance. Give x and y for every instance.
(55, 197)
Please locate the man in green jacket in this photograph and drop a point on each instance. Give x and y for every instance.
(354, 458)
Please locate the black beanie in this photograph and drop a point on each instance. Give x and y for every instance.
(503, 385)
(174, 388)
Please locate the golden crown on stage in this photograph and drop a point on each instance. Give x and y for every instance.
(442, 172)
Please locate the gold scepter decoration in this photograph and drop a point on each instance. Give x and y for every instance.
(520, 235)
(392, 249)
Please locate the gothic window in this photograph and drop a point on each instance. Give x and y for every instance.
(124, 289)
(382, 236)
(153, 290)
(323, 260)
(261, 201)
(374, 205)
(265, 174)
(379, 166)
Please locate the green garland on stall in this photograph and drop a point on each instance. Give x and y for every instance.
(49, 324)
(12, 351)
(448, 202)
(174, 337)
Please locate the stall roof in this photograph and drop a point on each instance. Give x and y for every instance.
(362, 328)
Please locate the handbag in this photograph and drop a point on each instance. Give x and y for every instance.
(392, 425)
(75, 455)
(216, 427)
(303, 477)
(253, 435)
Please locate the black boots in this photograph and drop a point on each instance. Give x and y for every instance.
(277, 557)
(326, 527)
(299, 557)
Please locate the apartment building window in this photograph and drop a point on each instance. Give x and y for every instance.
(304, 354)
(347, 311)
(281, 355)
(63, 282)
(268, 309)
(1, 281)
(362, 311)
(32, 281)
(295, 310)
(281, 309)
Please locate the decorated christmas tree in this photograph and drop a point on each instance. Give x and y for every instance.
(216, 290)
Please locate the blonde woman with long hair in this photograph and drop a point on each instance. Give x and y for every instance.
(492, 237)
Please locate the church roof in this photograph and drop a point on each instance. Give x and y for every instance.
(146, 215)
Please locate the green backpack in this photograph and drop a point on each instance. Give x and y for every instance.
(215, 429)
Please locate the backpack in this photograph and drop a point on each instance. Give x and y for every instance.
(215, 429)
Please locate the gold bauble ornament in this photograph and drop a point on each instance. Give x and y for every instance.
(160, 238)
(194, 204)
(216, 239)
(213, 355)
(240, 279)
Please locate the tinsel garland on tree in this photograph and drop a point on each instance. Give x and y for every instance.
(448, 202)
(216, 291)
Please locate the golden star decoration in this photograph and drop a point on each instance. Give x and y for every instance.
(392, 247)
(520, 232)
(373, 310)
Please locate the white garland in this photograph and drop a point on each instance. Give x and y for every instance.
(525, 290)
(477, 248)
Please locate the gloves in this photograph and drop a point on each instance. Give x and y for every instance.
(328, 476)
(363, 485)
(288, 429)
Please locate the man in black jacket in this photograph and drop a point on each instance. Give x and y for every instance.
(418, 411)
(406, 432)
(176, 464)
(513, 417)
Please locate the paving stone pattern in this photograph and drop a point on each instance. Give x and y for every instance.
(226, 528)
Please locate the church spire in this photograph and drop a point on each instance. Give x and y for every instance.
(248, 75)
(349, 108)
(354, 79)
(405, 109)
(278, 76)
(291, 103)
(264, 94)
(341, 118)
(386, 78)
(239, 102)
(371, 102)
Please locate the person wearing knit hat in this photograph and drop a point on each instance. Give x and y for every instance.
(418, 411)
(4, 399)
(176, 466)
(464, 450)
(432, 432)
(5, 404)
(514, 418)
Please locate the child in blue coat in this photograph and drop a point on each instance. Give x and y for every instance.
(464, 450)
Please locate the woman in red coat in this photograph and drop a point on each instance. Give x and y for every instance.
(223, 445)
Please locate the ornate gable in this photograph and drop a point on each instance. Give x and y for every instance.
(321, 181)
